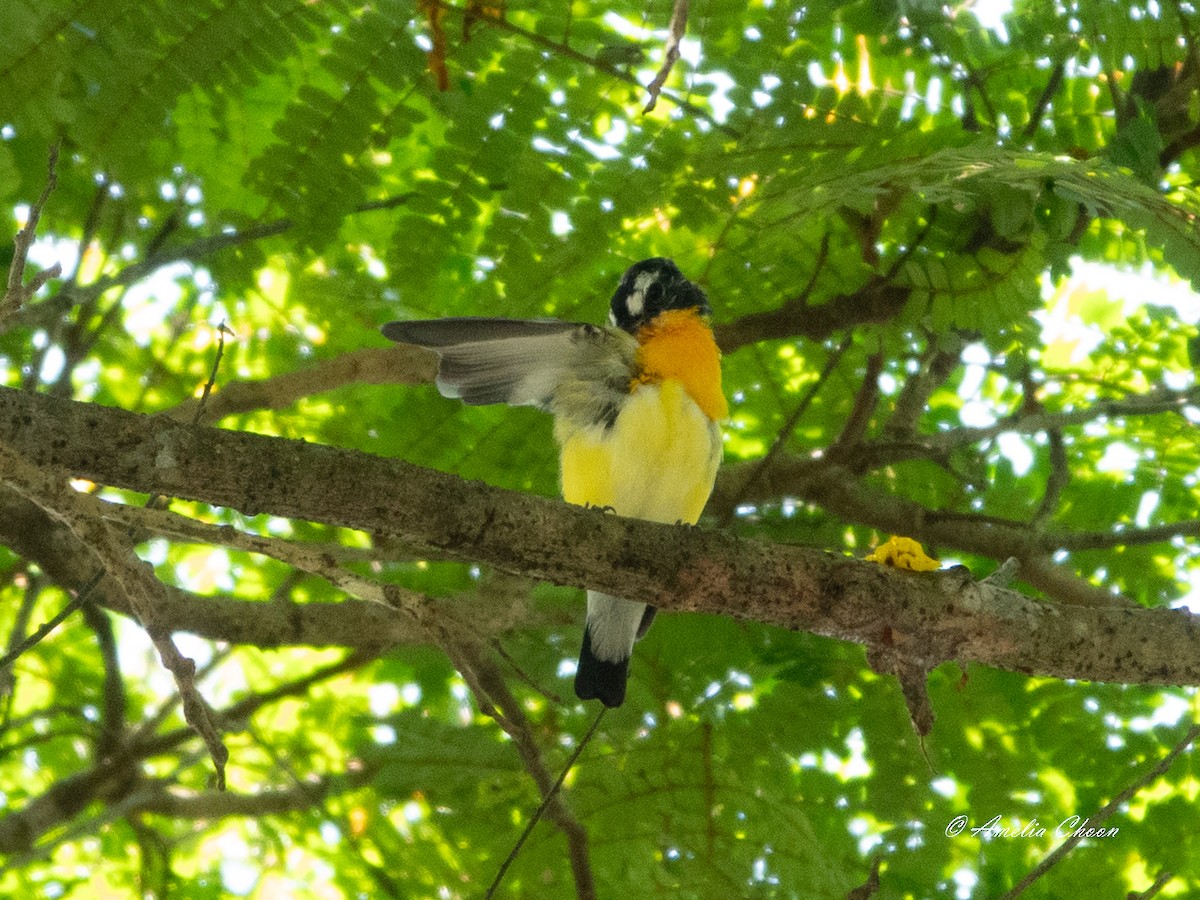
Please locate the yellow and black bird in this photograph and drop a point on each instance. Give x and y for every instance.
(635, 407)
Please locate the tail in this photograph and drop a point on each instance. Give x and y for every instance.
(612, 627)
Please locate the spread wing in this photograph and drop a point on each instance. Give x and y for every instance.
(565, 367)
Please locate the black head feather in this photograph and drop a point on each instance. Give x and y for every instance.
(649, 288)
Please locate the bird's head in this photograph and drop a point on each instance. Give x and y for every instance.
(651, 287)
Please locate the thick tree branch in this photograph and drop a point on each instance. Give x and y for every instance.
(931, 617)
(835, 487)
(876, 301)
(400, 364)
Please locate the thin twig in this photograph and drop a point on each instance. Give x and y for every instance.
(1043, 102)
(491, 691)
(523, 675)
(550, 795)
(675, 33)
(1159, 883)
(320, 798)
(599, 65)
(16, 634)
(1107, 810)
(870, 887)
(57, 619)
(788, 427)
(865, 402)
(134, 578)
(222, 330)
(1056, 479)
(908, 251)
(71, 295)
(18, 293)
(158, 501)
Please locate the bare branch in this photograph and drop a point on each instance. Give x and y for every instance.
(876, 301)
(222, 330)
(1057, 478)
(196, 711)
(1159, 883)
(496, 700)
(48, 489)
(194, 251)
(398, 364)
(870, 887)
(675, 32)
(789, 426)
(1102, 816)
(112, 710)
(1121, 537)
(1153, 402)
(937, 364)
(18, 293)
(936, 615)
(115, 777)
(366, 625)
(315, 559)
(567, 52)
(53, 622)
(157, 798)
(865, 401)
(1043, 101)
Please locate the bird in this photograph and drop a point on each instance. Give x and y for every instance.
(637, 407)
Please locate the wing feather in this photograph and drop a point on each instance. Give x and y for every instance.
(543, 363)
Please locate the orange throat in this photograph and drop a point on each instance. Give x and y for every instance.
(678, 346)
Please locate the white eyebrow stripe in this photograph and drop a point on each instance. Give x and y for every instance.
(636, 301)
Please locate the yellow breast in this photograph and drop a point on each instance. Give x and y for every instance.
(659, 458)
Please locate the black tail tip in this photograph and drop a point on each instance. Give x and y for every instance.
(596, 679)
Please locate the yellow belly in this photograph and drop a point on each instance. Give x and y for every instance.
(657, 461)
